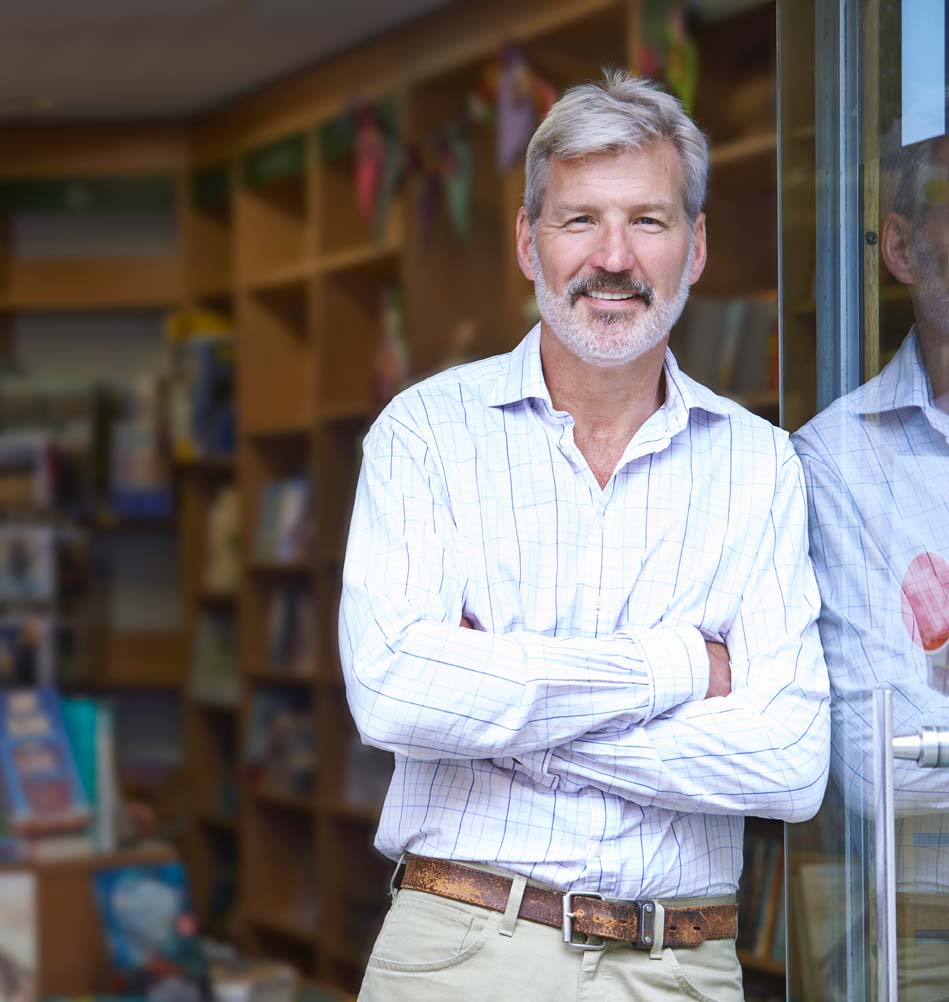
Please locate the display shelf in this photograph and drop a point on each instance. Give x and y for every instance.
(280, 568)
(295, 929)
(283, 276)
(270, 226)
(761, 964)
(214, 819)
(89, 284)
(286, 801)
(375, 260)
(270, 676)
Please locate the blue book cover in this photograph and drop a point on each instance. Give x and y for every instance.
(150, 931)
(42, 790)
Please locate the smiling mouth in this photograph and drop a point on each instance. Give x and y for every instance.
(612, 296)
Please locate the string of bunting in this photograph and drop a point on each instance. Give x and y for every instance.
(509, 95)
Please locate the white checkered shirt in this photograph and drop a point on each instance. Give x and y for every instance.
(877, 469)
(566, 737)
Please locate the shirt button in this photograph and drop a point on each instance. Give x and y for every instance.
(594, 850)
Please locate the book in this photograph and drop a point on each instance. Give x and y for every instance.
(774, 867)
(27, 651)
(246, 979)
(283, 526)
(27, 564)
(201, 386)
(366, 774)
(223, 552)
(28, 470)
(291, 630)
(19, 938)
(43, 794)
(214, 674)
(281, 748)
(90, 726)
(150, 931)
(140, 471)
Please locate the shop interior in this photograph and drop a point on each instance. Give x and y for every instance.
(209, 285)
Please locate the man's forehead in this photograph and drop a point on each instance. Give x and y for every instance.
(655, 170)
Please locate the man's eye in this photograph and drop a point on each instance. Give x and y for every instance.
(648, 221)
(581, 220)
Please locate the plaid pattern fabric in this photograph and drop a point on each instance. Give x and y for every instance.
(567, 737)
(877, 469)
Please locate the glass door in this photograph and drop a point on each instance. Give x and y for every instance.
(864, 291)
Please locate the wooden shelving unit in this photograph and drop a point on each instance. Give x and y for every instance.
(212, 719)
(272, 237)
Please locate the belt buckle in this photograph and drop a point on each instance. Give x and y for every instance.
(569, 915)
(647, 924)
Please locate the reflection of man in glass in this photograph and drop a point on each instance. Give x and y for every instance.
(877, 470)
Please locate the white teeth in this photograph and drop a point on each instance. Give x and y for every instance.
(611, 295)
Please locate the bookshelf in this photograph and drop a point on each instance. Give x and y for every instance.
(270, 236)
(208, 508)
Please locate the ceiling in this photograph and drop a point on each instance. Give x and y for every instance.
(152, 59)
(149, 59)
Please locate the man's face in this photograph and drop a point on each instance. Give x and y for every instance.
(612, 255)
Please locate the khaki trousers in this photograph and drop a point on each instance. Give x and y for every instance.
(431, 949)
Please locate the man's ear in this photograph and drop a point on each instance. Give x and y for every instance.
(523, 242)
(699, 256)
(896, 247)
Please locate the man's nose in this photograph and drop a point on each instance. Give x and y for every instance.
(615, 252)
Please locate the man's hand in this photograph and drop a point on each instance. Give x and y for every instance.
(720, 672)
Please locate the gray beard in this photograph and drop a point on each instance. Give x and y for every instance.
(611, 338)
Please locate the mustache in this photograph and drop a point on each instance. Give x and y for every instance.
(608, 281)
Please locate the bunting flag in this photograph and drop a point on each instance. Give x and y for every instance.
(391, 361)
(517, 115)
(393, 170)
(370, 154)
(682, 59)
(508, 96)
(459, 175)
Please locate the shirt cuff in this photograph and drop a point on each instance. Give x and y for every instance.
(677, 661)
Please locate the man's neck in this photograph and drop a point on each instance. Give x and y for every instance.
(609, 404)
(934, 346)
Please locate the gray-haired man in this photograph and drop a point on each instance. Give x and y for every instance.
(578, 608)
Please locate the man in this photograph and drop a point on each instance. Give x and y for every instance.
(877, 470)
(553, 558)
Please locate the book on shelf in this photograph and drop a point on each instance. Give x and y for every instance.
(27, 650)
(42, 791)
(201, 384)
(19, 938)
(140, 484)
(366, 774)
(291, 630)
(214, 673)
(239, 978)
(43, 564)
(28, 469)
(150, 931)
(729, 344)
(284, 529)
(778, 947)
(27, 563)
(281, 750)
(223, 552)
(756, 876)
(767, 911)
(90, 725)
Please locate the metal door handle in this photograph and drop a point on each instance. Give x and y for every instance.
(929, 749)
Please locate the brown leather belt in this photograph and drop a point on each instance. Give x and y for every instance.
(574, 912)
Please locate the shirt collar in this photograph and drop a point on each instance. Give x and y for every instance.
(904, 382)
(523, 379)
